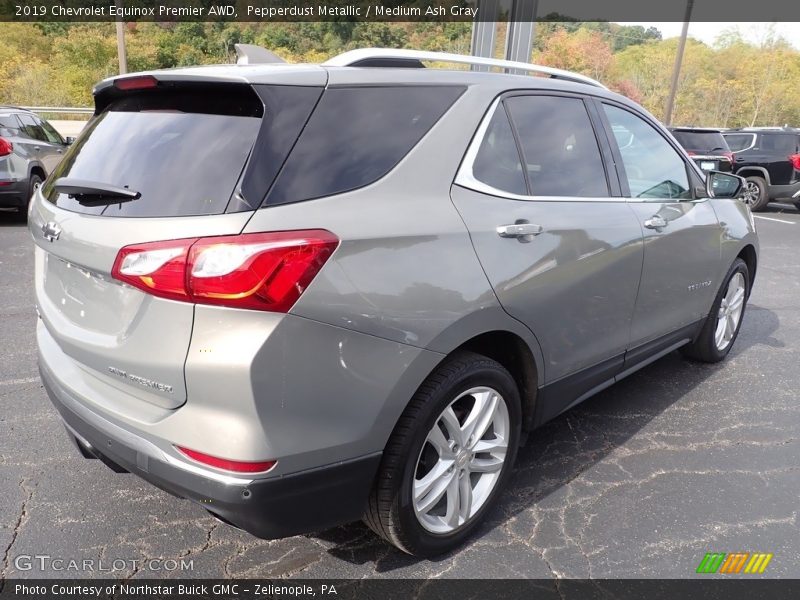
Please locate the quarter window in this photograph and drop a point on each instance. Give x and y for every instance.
(559, 147)
(9, 125)
(740, 141)
(497, 163)
(779, 143)
(653, 168)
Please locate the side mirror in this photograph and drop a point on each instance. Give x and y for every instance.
(69, 140)
(723, 185)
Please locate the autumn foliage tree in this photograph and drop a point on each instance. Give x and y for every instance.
(733, 82)
(584, 51)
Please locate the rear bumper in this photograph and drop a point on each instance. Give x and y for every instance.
(311, 500)
(14, 194)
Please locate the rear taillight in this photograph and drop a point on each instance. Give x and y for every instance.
(730, 156)
(236, 466)
(691, 153)
(259, 271)
(158, 267)
(795, 160)
(6, 147)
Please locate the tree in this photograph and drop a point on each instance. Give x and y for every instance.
(583, 51)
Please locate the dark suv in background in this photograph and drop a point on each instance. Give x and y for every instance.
(707, 147)
(769, 158)
(30, 148)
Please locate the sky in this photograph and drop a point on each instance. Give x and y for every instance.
(708, 32)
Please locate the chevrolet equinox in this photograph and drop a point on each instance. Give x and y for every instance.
(302, 295)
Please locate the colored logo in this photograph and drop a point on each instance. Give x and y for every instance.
(734, 562)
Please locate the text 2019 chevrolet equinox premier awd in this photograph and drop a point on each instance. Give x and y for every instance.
(304, 295)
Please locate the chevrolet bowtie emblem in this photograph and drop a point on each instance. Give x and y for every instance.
(51, 231)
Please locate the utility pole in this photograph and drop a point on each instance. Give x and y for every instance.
(122, 52)
(676, 71)
(519, 39)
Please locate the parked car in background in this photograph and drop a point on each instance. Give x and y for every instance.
(30, 148)
(707, 148)
(769, 159)
(278, 336)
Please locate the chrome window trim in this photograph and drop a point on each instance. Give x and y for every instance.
(465, 177)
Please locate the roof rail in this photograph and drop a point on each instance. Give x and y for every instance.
(374, 56)
(10, 107)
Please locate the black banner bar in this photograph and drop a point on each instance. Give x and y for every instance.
(711, 588)
(391, 10)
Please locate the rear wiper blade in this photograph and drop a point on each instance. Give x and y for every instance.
(96, 192)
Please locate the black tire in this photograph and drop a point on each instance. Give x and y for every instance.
(704, 348)
(35, 180)
(390, 511)
(759, 201)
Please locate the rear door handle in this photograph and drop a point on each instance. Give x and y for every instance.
(519, 230)
(656, 222)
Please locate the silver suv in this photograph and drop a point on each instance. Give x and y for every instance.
(30, 148)
(304, 295)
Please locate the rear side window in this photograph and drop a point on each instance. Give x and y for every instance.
(701, 141)
(182, 149)
(9, 125)
(740, 141)
(52, 135)
(355, 136)
(559, 147)
(497, 163)
(32, 128)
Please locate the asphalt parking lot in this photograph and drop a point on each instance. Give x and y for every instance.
(640, 481)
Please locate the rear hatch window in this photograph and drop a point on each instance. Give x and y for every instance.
(702, 141)
(183, 150)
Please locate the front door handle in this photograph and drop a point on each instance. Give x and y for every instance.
(656, 222)
(519, 230)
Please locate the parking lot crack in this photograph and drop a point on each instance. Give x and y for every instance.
(20, 523)
(206, 545)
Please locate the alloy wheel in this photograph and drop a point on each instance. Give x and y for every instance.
(461, 460)
(730, 312)
(751, 193)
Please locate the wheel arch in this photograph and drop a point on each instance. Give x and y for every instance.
(511, 351)
(757, 171)
(38, 169)
(750, 258)
(492, 333)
